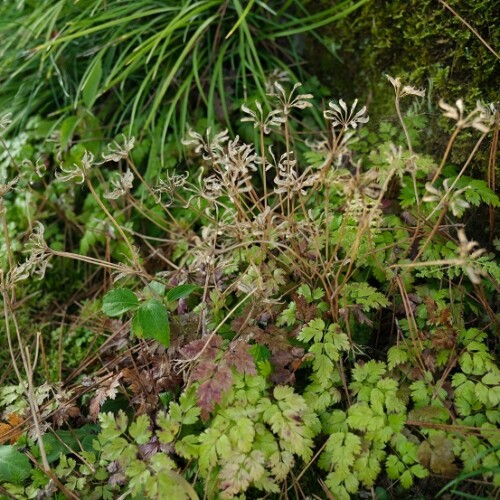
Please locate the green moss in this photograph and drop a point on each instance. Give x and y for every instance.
(418, 40)
(426, 45)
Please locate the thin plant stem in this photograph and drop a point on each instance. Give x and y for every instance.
(446, 154)
(400, 116)
(7, 328)
(431, 235)
(263, 163)
(287, 140)
(115, 223)
(10, 255)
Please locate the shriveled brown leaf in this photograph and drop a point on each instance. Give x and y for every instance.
(108, 390)
(437, 454)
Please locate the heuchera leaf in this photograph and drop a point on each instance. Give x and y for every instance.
(118, 301)
(151, 321)
(14, 465)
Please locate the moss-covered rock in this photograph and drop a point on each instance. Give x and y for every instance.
(426, 45)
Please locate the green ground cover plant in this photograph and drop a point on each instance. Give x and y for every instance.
(290, 306)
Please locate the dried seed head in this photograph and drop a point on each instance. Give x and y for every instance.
(289, 102)
(403, 91)
(210, 147)
(117, 151)
(481, 118)
(340, 115)
(167, 188)
(450, 198)
(76, 172)
(468, 253)
(122, 186)
(7, 187)
(275, 76)
(273, 119)
(38, 258)
(5, 120)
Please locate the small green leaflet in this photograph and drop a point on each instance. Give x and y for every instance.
(396, 356)
(139, 429)
(151, 321)
(181, 291)
(14, 465)
(365, 295)
(118, 301)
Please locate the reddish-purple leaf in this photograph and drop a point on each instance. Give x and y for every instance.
(204, 370)
(209, 393)
(223, 377)
(239, 357)
(209, 348)
(211, 390)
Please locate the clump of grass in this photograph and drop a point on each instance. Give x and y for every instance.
(141, 66)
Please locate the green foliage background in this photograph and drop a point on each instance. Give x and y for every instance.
(294, 305)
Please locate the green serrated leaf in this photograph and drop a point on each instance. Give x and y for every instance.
(406, 479)
(418, 471)
(360, 416)
(491, 378)
(365, 295)
(175, 412)
(187, 447)
(314, 329)
(118, 301)
(396, 356)
(14, 465)
(288, 316)
(394, 467)
(169, 428)
(305, 292)
(139, 429)
(191, 416)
